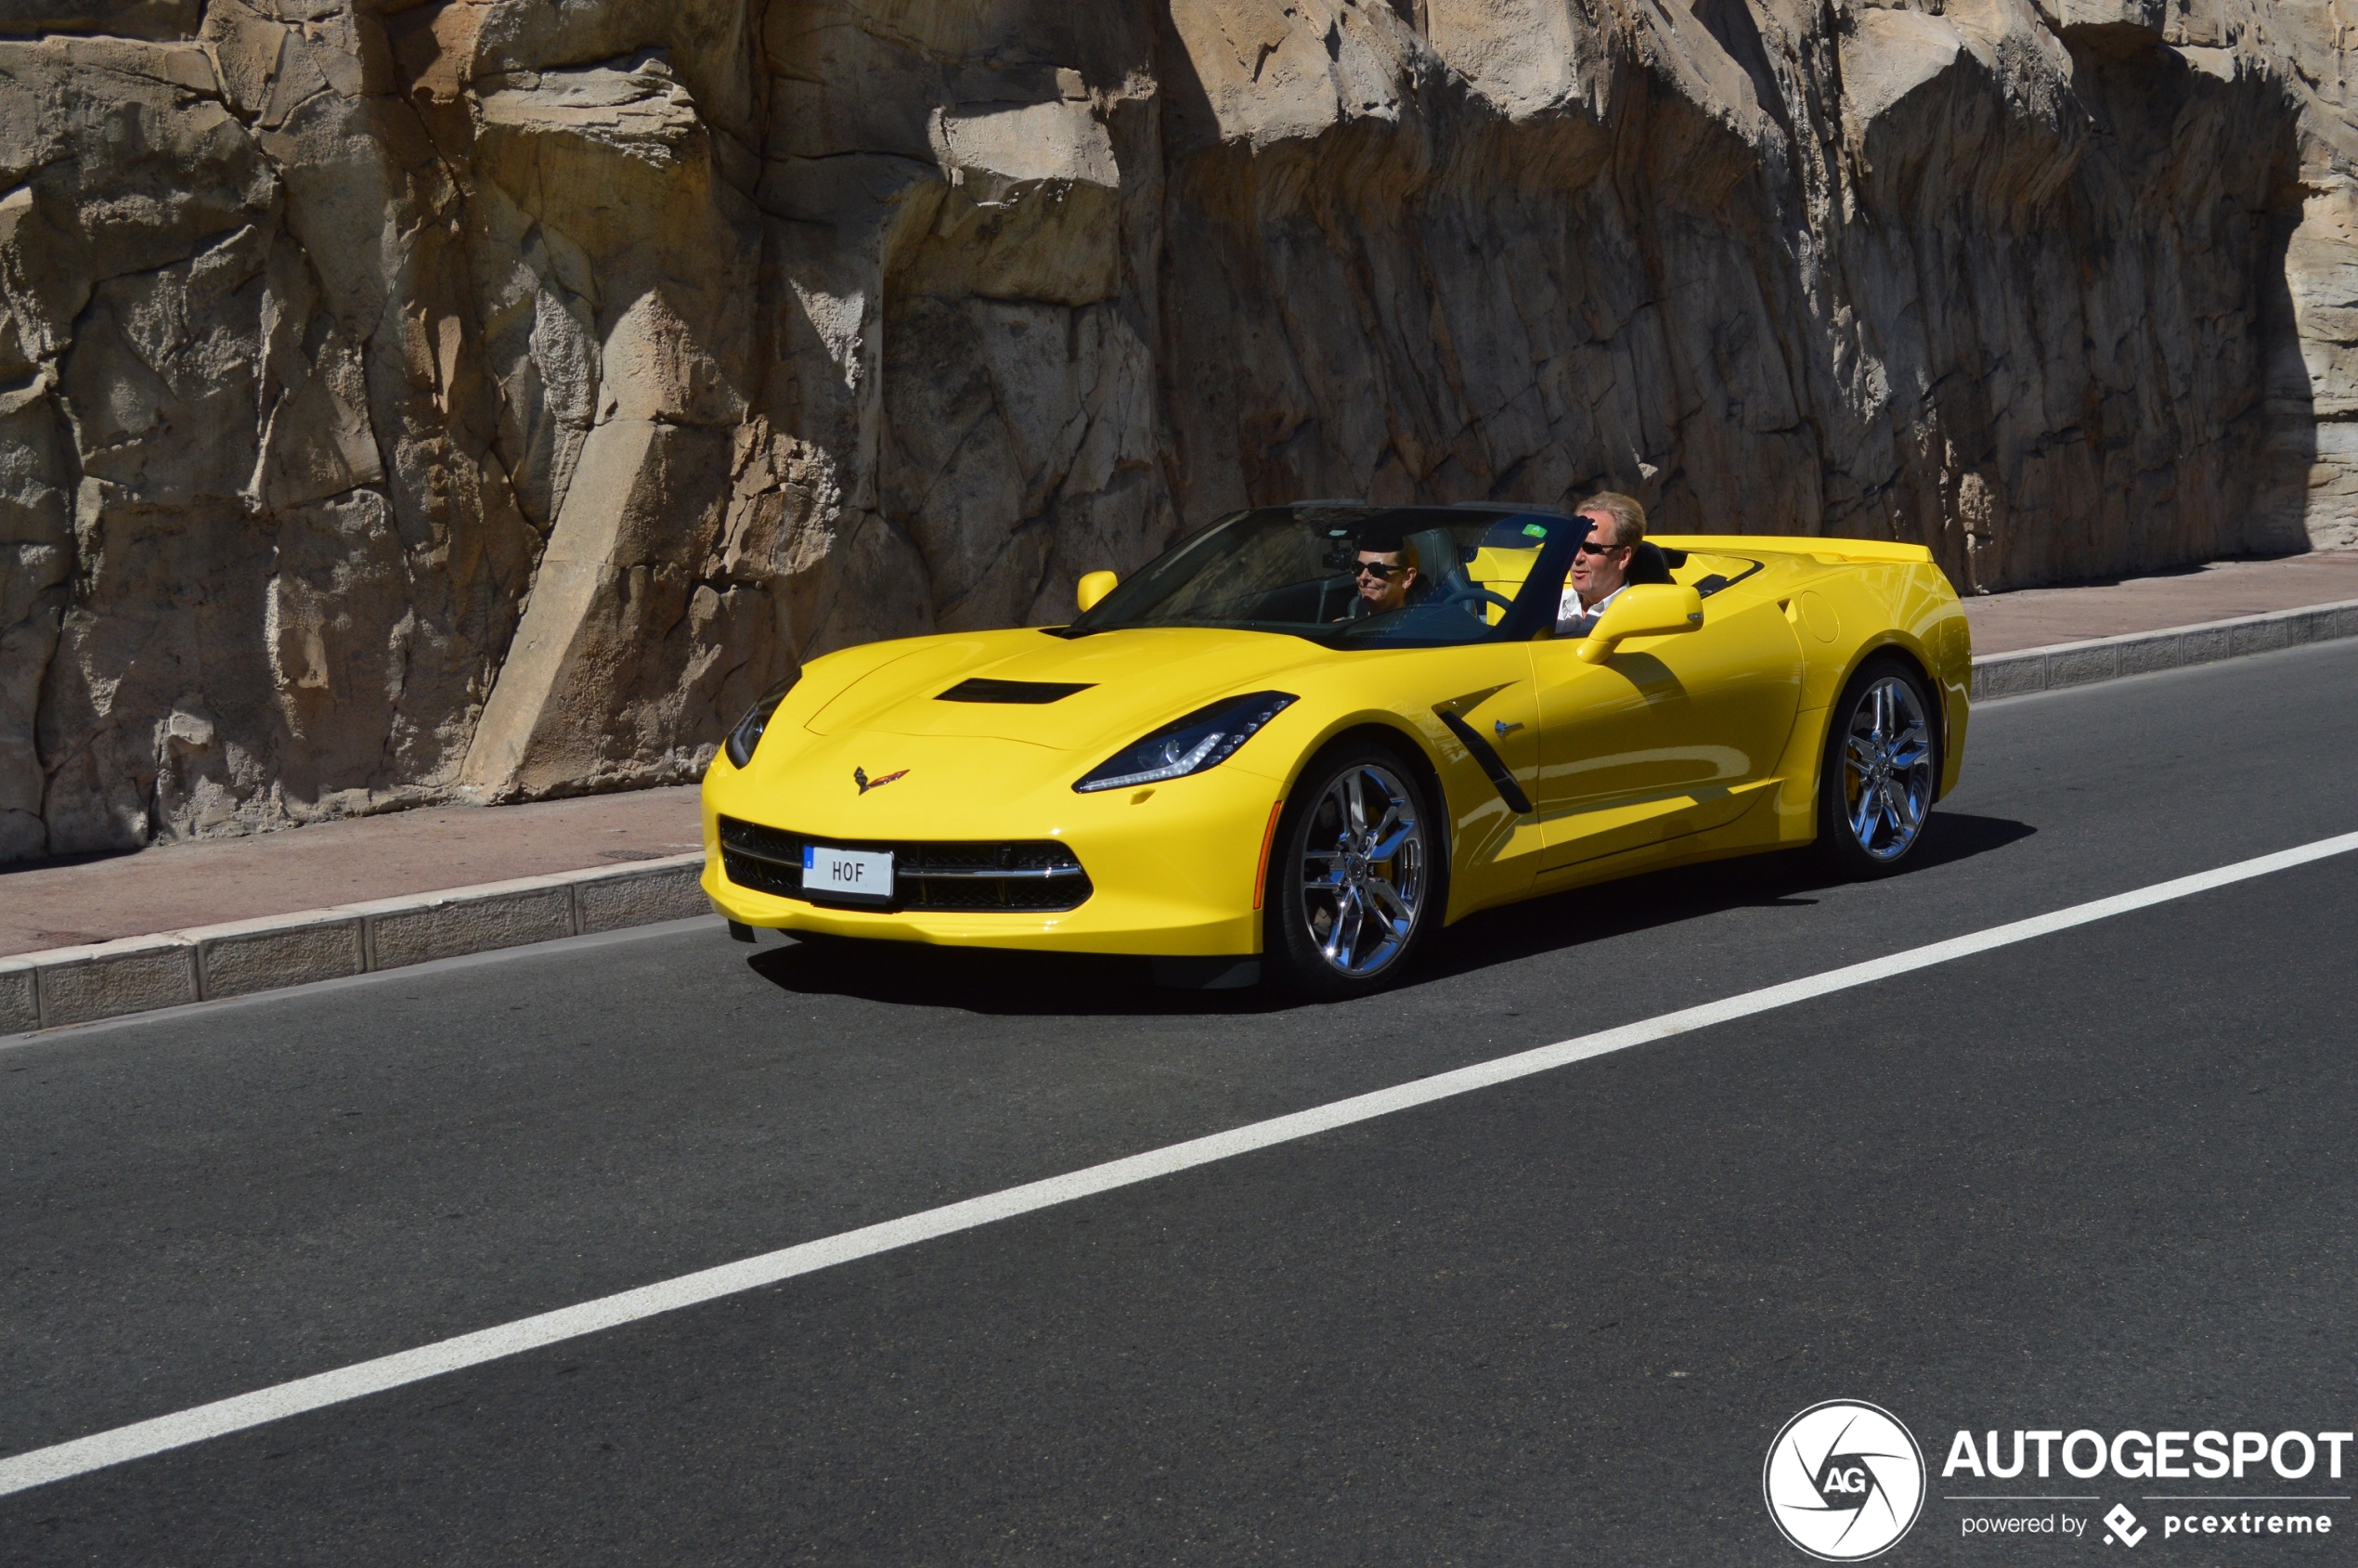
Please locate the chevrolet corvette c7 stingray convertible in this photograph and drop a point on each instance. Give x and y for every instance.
(1229, 762)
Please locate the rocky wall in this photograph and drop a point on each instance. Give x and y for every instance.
(489, 397)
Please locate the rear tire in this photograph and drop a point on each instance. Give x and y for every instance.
(1357, 876)
(1880, 770)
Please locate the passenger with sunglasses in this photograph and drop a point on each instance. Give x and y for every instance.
(1601, 566)
(1388, 576)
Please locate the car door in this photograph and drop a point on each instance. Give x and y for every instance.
(1671, 735)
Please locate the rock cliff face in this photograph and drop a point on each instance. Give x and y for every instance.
(493, 395)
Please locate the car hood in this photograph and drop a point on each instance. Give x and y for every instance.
(1132, 681)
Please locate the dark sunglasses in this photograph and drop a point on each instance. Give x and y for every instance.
(1379, 570)
(1590, 547)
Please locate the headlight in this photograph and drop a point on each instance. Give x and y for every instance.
(747, 735)
(1204, 738)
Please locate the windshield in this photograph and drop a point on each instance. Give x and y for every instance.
(1354, 576)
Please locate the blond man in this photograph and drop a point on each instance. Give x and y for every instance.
(1601, 565)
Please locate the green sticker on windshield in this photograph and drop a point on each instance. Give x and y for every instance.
(1536, 530)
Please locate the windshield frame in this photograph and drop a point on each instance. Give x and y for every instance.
(1532, 615)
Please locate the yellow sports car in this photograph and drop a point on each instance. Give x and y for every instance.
(1264, 750)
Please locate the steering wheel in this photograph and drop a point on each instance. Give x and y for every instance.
(1478, 596)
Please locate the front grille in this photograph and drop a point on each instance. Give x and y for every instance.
(762, 877)
(764, 843)
(1028, 875)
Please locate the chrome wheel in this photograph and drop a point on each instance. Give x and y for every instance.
(1887, 769)
(1364, 871)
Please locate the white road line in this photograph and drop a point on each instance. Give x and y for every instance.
(223, 1416)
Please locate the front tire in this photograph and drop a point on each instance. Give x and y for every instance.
(1880, 770)
(1356, 875)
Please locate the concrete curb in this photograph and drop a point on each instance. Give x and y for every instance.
(76, 985)
(2139, 652)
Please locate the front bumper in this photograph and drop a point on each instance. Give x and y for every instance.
(1173, 868)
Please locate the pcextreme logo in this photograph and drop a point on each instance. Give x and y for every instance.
(1845, 1481)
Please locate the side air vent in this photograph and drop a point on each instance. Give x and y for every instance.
(1494, 767)
(1027, 692)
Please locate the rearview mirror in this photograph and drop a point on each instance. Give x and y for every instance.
(1094, 587)
(1644, 610)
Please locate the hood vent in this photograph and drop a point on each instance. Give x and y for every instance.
(1032, 692)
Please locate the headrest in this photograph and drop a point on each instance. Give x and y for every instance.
(1649, 563)
(1437, 561)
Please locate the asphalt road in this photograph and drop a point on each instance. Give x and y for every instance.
(2102, 1179)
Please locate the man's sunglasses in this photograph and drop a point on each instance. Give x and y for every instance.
(1379, 570)
(1590, 547)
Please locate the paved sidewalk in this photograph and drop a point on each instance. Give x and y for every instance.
(176, 887)
(2040, 618)
(214, 880)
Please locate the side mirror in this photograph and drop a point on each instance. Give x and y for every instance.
(1644, 610)
(1094, 586)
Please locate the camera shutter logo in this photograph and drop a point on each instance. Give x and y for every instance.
(1845, 1481)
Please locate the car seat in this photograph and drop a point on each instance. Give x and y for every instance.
(1649, 562)
(1438, 563)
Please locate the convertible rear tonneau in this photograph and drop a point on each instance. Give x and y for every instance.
(1862, 551)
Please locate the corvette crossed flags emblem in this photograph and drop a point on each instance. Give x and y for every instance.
(860, 776)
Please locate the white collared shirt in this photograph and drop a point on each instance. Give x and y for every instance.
(1571, 609)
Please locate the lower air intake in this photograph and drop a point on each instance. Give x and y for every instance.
(1030, 876)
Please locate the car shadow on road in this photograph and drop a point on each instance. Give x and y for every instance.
(993, 980)
(1006, 983)
(1665, 898)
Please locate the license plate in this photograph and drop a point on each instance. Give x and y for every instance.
(847, 874)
